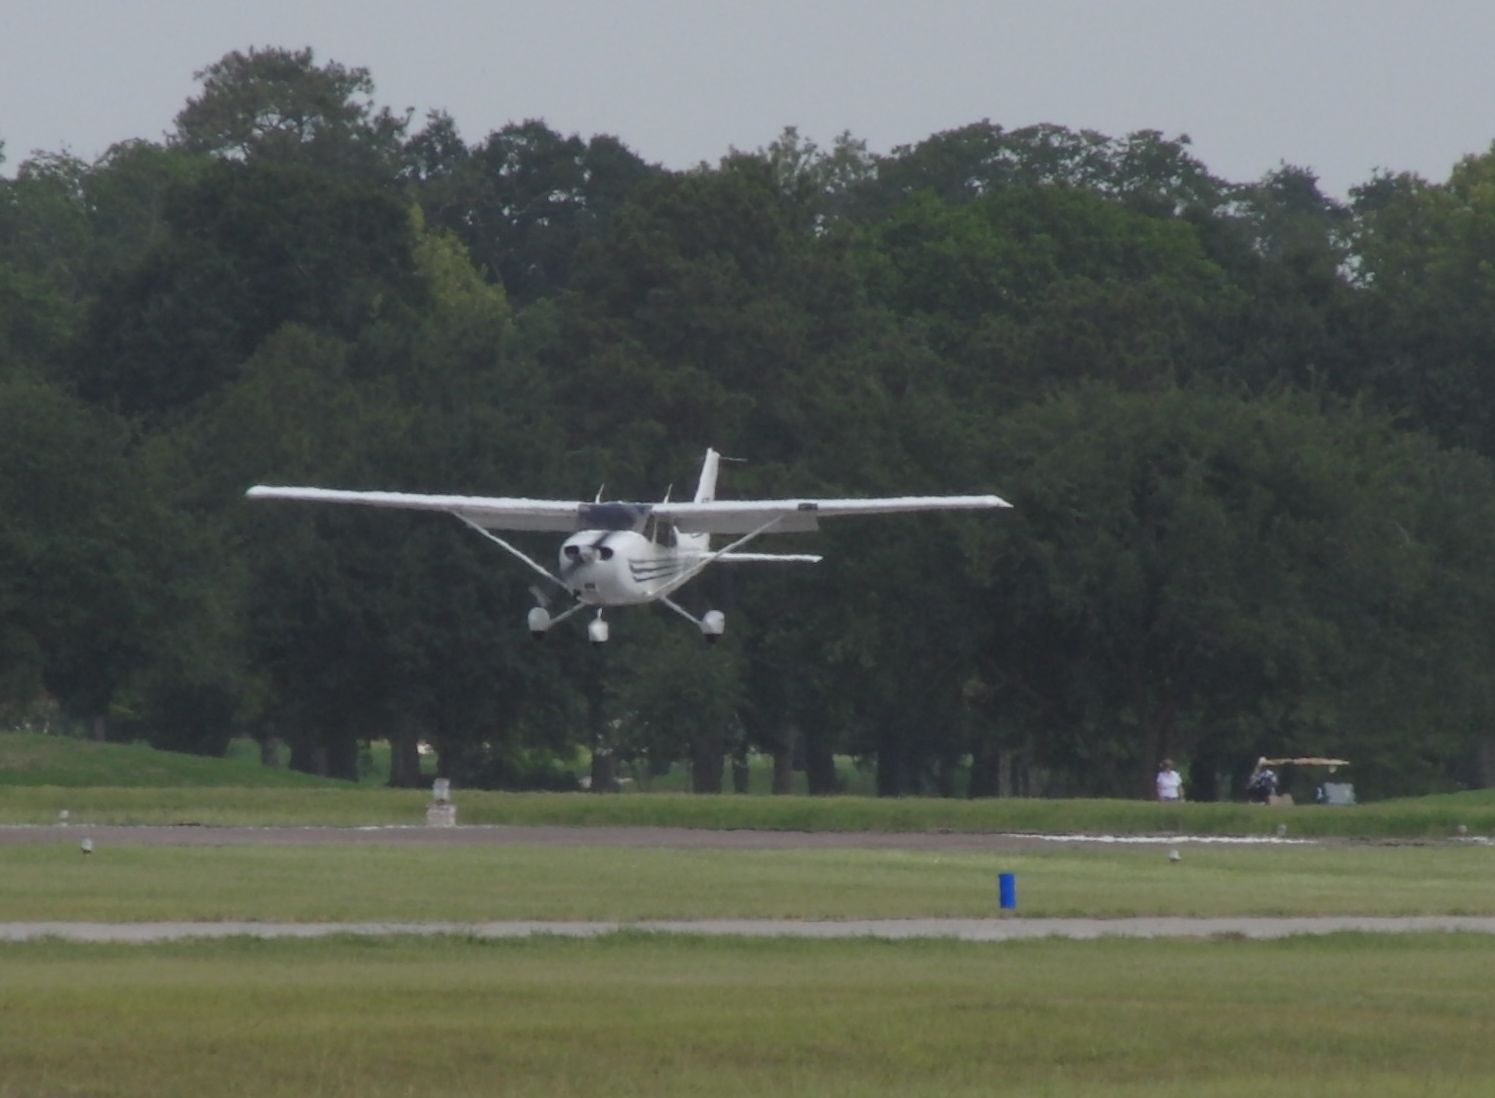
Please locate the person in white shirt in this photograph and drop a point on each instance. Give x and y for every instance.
(1170, 785)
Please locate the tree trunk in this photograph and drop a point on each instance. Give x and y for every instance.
(1484, 764)
(985, 769)
(741, 775)
(1204, 776)
(404, 760)
(1013, 778)
(270, 751)
(892, 776)
(944, 778)
(706, 762)
(783, 759)
(307, 756)
(820, 767)
(342, 759)
(99, 729)
(604, 772)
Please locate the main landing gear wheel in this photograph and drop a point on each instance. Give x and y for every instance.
(713, 625)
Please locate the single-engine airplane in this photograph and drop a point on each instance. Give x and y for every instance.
(625, 554)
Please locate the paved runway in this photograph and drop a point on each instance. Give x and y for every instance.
(549, 835)
(999, 929)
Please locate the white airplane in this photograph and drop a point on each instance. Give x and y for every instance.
(625, 554)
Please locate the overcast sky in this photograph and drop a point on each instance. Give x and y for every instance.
(1337, 86)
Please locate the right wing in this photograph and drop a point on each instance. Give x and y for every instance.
(489, 513)
(788, 516)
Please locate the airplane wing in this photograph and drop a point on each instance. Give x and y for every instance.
(743, 516)
(489, 513)
(715, 517)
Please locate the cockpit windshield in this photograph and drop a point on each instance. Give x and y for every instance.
(613, 516)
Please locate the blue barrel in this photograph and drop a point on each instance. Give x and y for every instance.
(1007, 890)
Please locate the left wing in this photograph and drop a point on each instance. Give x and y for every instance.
(491, 513)
(795, 515)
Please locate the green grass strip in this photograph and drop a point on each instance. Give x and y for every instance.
(357, 806)
(372, 882)
(632, 1015)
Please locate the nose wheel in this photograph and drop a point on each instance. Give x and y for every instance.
(597, 629)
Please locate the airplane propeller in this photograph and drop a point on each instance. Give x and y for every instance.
(577, 555)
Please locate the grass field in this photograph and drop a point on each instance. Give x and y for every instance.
(358, 882)
(1432, 817)
(634, 1015)
(110, 783)
(33, 759)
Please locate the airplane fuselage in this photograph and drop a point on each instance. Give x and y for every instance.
(620, 567)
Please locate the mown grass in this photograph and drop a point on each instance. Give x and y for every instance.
(374, 882)
(358, 806)
(111, 783)
(34, 759)
(636, 1015)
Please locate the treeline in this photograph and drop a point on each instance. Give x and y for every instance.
(1247, 428)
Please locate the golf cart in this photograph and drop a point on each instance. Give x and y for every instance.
(1271, 783)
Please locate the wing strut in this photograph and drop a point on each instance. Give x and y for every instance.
(491, 536)
(682, 611)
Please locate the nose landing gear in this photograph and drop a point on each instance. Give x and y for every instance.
(597, 629)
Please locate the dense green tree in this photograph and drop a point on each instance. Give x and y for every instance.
(674, 698)
(279, 105)
(248, 248)
(1422, 259)
(1221, 544)
(524, 199)
(1222, 577)
(1148, 171)
(82, 587)
(1031, 288)
(1286, 249)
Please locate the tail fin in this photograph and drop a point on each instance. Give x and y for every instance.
(705, 493)
(706, 487)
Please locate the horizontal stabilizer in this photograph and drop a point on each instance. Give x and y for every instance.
(789, 558)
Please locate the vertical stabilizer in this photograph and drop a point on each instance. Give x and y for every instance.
(705, 493)
(706, 488)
